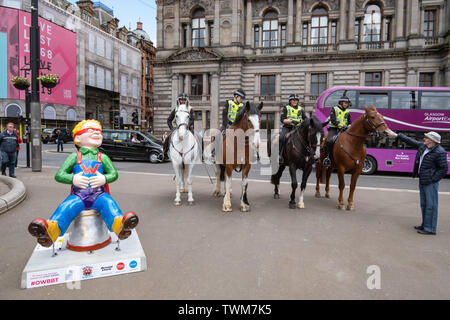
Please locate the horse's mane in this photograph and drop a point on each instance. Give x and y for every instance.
(253, 110)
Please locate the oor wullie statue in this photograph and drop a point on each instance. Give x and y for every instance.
(89, 171)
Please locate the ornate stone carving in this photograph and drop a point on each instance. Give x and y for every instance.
(259, 5)
(194, 55)
(186, 6)
(385, 4)
(333, 5)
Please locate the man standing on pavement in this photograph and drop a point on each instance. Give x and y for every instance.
(8, 147)
(59, 141)
(431, 166)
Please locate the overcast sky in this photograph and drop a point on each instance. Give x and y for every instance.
(130, 11)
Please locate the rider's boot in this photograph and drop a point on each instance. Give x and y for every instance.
(326, 159)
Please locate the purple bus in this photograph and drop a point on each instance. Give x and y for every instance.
(410, 110)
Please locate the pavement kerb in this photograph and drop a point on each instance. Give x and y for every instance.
(15, 196)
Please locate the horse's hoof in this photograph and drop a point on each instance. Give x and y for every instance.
(177, 203)
(341, 207)
(227, 209)
(245, 208)
(191, 203)
(327, 196)
(216, 194)
(301, 206)
(350, 207)
(292, 206)
(276, 196)
(317, 195)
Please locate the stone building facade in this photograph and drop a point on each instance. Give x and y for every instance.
(272, 48)
(108, 68)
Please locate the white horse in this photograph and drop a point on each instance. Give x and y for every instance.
(184, 152)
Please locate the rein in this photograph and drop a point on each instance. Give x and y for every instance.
(182, 155)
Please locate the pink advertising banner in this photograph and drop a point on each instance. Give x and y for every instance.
(9, 55)
(58, 53)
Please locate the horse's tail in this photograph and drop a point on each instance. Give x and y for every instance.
(222, 173)
(275, 178)
(323, 174)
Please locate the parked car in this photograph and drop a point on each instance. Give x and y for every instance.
(49, 135)
(117, 144)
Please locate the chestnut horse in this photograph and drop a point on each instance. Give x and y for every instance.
(349, 154)
(242, 140)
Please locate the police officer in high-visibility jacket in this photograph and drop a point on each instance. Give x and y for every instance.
(232, 108)
(339, 120)
(291, 117)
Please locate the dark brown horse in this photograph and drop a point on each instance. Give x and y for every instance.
(241, 141)
(349, 154)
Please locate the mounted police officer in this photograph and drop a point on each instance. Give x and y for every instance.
(232, 108)
(291, 117)
(171, 120)
(339, 120)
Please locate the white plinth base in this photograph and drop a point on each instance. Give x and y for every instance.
(70, 267)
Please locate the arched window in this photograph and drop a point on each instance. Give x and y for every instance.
(49, 113)
(270, 29)
(372, 24)
(71, 115)
(319, 26)
(13, 111)
(198, 28)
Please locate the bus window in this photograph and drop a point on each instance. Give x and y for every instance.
(383, 142)
(445, 140)
(379, 100)
(435, 100)
(332, 99)
(404, 100)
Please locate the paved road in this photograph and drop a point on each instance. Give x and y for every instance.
(381, 180)
(272, 252)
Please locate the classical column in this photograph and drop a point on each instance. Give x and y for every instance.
(207, 31)
(176, 31)
(215, 94)
(290, 23)
(205, 84)
(415, 10)
(399, 19)
(175, 89)
(187, 84)
(188, 36)
(216, 35)
(351, 21)
(298, 22)
(160, 24)
(248, 34)
(235, 21)
(343, 20)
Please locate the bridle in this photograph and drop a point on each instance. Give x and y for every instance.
(308, 146)
(373, 127)
(182, 155)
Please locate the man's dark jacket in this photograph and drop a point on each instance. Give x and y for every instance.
(434, 164)
(8, 142)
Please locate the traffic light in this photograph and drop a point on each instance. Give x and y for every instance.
(135, 118)
(117, 122)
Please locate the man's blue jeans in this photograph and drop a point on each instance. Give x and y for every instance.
(429, 206)
(9, 160)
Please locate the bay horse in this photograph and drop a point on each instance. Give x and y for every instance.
(302, 149)
(349, 153)
(241, 141)
(184, 152)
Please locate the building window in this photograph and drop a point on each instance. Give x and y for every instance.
(123, 86)
(256, 37)
(429, 23)
(319, 26)
(387, 29)
(283, 35)
(13, 110)
(318, 83)
(268, 85)
(270, 29)
(305, 34)
(49, 113)
(357, 30)
(372, 24)
(333, 31)
(426, 79)
(71, 115)
(197, 85)
(373, 79)
(198, 28)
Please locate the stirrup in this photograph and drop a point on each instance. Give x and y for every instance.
(326, 162)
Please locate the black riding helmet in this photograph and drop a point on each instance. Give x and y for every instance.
(344, 98)
(294, 97)
(183, 96)
(240, 92)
